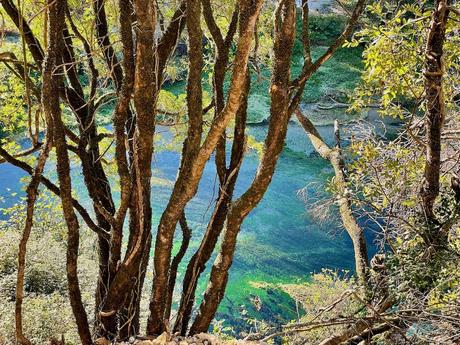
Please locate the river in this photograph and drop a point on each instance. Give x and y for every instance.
(279, 241)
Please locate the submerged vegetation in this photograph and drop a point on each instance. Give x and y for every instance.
(100, 247)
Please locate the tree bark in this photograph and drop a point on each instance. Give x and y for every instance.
(186, 235)
(158, 303)
(32, 192)
(435, 107)
(197, 263)
(187, 181)
(239, 209)
(144, 96)
(334, 156)
(131, 307)
(52, 109)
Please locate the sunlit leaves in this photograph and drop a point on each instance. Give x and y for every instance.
(394, 58)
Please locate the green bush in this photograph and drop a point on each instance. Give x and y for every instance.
(47, 311)
(323, 290)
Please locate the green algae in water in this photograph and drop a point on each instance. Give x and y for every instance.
(278, 243)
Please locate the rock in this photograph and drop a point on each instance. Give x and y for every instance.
(161, 340)
(101, 341)
(131, 340)
(145, 342)
(208, 339)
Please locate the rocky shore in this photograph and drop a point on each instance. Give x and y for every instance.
(168, 339)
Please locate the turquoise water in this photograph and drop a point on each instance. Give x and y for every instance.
(279, 241)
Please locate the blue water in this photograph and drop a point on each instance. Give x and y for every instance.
(279, 240)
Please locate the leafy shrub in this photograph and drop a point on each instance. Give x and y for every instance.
(47, 312)
(323, 290)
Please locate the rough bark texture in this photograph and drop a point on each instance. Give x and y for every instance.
(186, 236)
(279, 117)
(32, 193)
(197, 263)
(227, 177)
(52, 108)
(158, 303)
(190, 174)
(94, 175)
(222, 47)
(144, 97)
(435, 113)
(129, 313)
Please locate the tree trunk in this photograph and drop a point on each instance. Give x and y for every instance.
(197, 263)
(144, 97)
(158, 303)
(186, 236)
(32, 192)
(279, 118)
(190, 174)
(334, 156)
(435, 105)
(227, 177)
(52, 108)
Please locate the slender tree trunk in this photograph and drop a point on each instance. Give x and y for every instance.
(52, 108)
(144, 97)
(334, 156)
(157, 323)
(190, 174)
(94, 175)
(279, 118)
(164, 50)
(435, 104)
(197, 263)
(186, 236)
(32, 192)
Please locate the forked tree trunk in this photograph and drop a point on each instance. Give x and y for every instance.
(32, 192)
(144, 97)
(130, 311)
(190, 173)
(197, 263)
(227, 177)
(334, 156)
(239, 209)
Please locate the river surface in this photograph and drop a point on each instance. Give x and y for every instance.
(279, 241)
